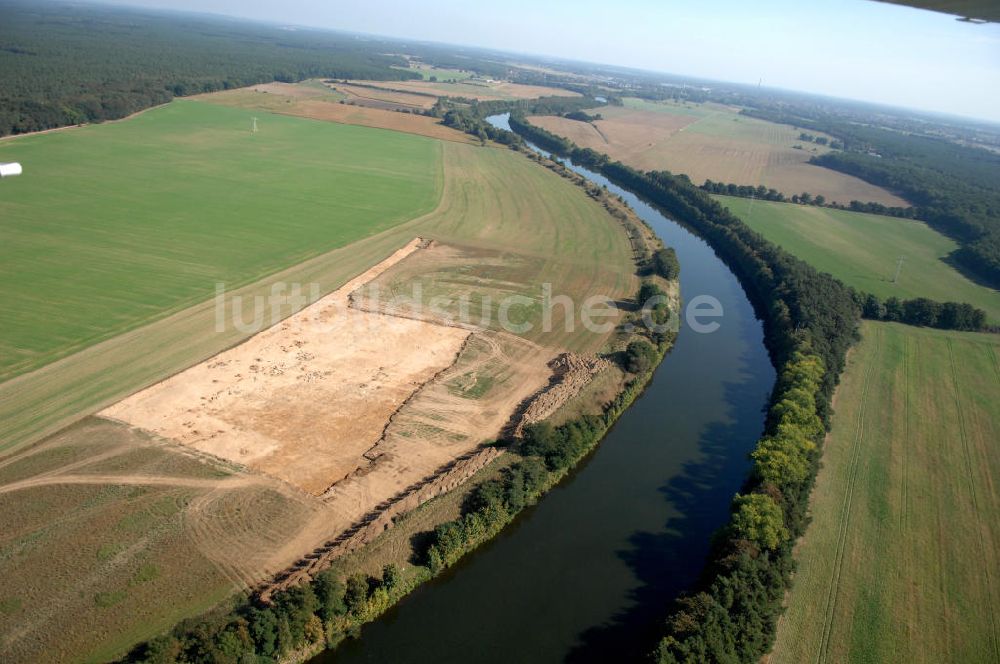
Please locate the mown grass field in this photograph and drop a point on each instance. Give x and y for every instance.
(116, 225)
(90, 566)
(713, 141)
(862, 251)
(901, 562)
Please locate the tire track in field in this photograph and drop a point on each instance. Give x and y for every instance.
(975, 502)
(904, 482)
(198, 525)
(996, 364)
(845, 513)
(906, 433)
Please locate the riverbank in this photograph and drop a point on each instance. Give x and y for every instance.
(583, 575)
(493, 499)
(811, 321)
(526, 467)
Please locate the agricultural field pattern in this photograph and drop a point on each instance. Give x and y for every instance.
(209, 504)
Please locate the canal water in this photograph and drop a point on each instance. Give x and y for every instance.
(587, 574)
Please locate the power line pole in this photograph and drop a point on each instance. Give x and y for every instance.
(253, 126)
(899, 266)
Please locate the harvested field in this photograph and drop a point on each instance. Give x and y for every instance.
(900, 562)
(407, 123)
(440, 73)
(470, 284)
(714, 142)
(479, 90)
(307, 102)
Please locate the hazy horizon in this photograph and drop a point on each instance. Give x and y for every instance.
(857, 50)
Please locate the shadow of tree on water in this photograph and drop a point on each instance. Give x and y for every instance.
(668, 562)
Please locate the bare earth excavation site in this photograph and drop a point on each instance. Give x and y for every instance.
(369, 406)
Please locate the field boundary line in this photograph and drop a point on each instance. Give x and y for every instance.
(975, 500)
(845, 514)
(82, 125)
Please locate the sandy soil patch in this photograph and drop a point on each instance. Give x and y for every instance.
(304, 400)
(442, 421)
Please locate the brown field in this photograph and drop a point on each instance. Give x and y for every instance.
(216, 513)
(386, 99)
(714, 142)
(481, 91)
(320, 103)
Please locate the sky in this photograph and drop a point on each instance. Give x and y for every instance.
(855, 49)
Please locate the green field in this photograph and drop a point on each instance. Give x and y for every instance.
(862, 250)
(115, 225)
(902, 559)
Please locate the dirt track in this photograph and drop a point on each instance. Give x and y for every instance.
(138, 480)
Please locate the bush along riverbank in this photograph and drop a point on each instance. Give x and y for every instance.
(547, 454)
(810, 321)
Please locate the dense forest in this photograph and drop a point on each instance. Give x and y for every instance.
(954, 188)
(63, 64)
